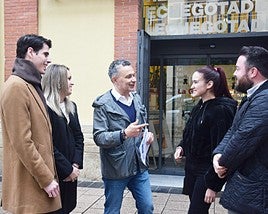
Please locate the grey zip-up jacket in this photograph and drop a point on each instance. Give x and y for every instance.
(119, 158)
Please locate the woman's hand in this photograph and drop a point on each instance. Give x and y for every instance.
(210, 196)
(178, 154)
(74, 175)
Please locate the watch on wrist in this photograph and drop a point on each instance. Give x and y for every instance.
(123, 134)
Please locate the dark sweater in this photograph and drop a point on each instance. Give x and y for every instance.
(207, 125)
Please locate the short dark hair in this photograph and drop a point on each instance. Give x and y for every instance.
(113, 68)
(30, 40)
(256, 57)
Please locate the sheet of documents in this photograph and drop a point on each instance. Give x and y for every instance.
(144, 146)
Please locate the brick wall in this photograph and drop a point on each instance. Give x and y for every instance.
(128, 19)
(20, 17)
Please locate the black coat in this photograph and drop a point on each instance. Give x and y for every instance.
(68, 141)
(244, 151)
(207, 125)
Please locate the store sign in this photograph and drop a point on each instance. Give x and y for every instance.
(204, 17)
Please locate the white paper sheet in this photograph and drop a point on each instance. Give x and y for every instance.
(144, 146)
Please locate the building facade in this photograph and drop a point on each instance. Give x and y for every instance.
(166, 40)
(183, 36)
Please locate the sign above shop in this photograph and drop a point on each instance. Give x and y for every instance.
(178, 17)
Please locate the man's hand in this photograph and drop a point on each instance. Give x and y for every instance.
(135, 129)
(53, 189)
(150, 138)
(220, 170)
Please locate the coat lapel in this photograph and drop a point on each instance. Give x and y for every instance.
(39, 103)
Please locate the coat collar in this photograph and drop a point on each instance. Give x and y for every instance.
(264, 86)
(112, 107)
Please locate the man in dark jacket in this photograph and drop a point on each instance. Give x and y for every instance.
(119, 121)
(242, 154)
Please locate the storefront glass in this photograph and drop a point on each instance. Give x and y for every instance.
(170, 78)
(171, 103)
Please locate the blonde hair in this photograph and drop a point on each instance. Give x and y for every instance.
(54, 83)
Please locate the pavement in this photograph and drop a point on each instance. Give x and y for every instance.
(166, 191)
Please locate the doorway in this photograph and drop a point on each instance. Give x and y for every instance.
(170, 104)
(165, 66)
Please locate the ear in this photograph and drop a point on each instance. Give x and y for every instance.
(114, 79)
(30, 52)
(210, 84)
(253, 72)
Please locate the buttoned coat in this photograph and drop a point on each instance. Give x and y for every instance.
(28, 164)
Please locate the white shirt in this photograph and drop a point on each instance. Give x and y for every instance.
(121, 98)
(63, 109)
(254, 88)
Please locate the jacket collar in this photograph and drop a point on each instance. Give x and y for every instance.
(108, 101)
(262, 87)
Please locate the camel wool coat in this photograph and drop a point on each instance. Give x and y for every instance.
(28, 163)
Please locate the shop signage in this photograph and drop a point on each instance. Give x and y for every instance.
(204, 17)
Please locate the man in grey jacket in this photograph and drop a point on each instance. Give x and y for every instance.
(118, 129)
(242, 154)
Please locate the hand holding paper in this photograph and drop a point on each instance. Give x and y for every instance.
(145, 144)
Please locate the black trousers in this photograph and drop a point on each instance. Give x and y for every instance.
(194, 186)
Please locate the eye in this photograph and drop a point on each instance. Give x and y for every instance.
(130, 76)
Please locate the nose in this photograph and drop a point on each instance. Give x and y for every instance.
(192, 86)
(49, 60)
(234, 73)
(133, 79)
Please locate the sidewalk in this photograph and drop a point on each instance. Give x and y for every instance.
(166, 189)
(167, 200)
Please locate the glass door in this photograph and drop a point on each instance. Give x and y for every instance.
(170, 104)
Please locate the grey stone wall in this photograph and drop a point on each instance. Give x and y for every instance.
(91, 169)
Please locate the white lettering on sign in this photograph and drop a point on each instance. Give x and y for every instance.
(211, 8)
(202, 17)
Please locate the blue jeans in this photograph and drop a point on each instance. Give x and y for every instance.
(140, 187)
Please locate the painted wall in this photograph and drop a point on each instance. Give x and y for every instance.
(82, 34)
(1, 42)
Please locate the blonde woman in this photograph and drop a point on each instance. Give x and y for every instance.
(68, 138)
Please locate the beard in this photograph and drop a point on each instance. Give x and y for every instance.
(243, 84)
